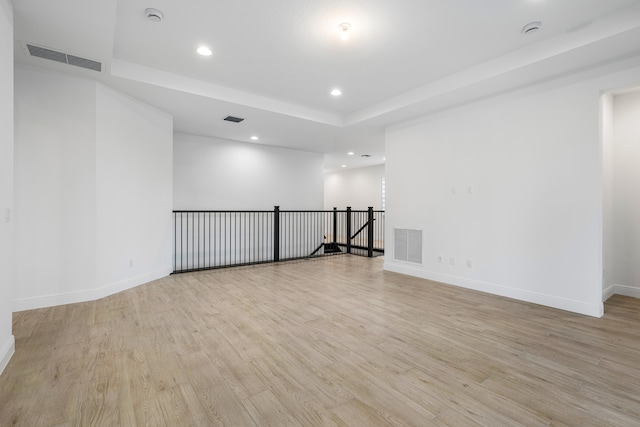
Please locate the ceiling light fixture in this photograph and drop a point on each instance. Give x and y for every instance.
(254, 138)
(344, 166)
(336, 92)
(204, 51)
(531, 27)
(153, 15)
(350, 153)
(344, 31)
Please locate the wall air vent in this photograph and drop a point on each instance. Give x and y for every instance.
(65, 58)
(407, 245)
(233, 119)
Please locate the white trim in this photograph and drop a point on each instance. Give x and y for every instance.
(491, 288)
(627, 291)
(88, 295)
(608, 292)
(6, 351)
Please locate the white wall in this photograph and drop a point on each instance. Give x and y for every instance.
(625, 277)
(6, 181)
(134, 191)
(607, 181)
(217, 174)
(532, 225)
(358, 188)
(55, 163)
(93, 187)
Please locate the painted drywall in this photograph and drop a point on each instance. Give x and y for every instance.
(508, 193)
(358, 188)
(7, 342)
(134, 179)
(55, 161)
(86, 195)
(625, 194)
(217, 174)
(606, 123)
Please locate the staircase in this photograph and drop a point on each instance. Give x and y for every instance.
(331, 248)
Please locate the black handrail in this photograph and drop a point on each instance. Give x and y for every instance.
(207, 239)
(361, 228)
(318, 248)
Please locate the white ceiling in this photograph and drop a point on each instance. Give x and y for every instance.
(275, 62)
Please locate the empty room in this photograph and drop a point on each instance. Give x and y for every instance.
(306, 213)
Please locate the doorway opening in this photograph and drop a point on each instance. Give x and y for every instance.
(620, 121)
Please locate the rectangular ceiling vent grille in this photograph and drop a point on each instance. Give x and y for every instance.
(52, 55)
(84, 63)
(233, 119)
(65, 58)
(407, 245)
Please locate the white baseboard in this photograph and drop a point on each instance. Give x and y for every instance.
(608, 292)
(6, 351)
(88, 295)
(627, 291)
(596, 310)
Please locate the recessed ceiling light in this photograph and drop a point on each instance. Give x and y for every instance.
(254, 138)
(336, 92)
(350, 153)
(344, 31)
(344, 166)
(204, 51)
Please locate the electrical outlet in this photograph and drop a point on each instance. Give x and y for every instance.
(469, 263)
(452, 261)
(130, 263)
(440, 259)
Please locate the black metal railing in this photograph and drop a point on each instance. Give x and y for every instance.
(213, 239)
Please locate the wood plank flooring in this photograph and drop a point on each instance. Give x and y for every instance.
(327, 342)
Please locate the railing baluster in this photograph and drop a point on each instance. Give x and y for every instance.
(370, 232)
(348, 229)
(276, 234)
(213, 239)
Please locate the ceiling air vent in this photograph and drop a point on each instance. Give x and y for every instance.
(84, 63)
(41, 52)
(233, 119)
(65, 58)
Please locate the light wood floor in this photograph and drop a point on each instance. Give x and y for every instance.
(329, 342)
